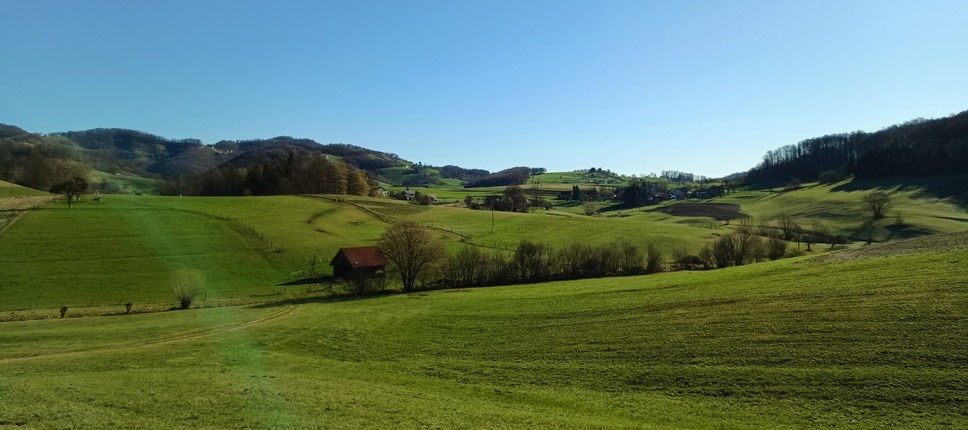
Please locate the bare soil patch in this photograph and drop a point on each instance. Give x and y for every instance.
(717, 211)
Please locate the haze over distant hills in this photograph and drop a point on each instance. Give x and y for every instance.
(915, 148)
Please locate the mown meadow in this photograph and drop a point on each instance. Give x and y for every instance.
(866, 341)
(124, 248)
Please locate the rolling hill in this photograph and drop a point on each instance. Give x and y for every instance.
(869, 342)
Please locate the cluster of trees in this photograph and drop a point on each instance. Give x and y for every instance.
(38, 166)
(460, 173)
(512, 176)
(512, 199)
(677, 176)
(915, 148)
(759, 240)
(591, 193)
(639, 193)
(309, 173)
(538, 262)
(418, 256)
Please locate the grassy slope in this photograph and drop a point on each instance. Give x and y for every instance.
(126, 183)
(874, 342)
(125, 248)
(120, 251)
(8, 189)
(840, 206)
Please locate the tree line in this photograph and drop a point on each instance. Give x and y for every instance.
(307, 173)
(417, 255)
(915, 148)
(512, 176)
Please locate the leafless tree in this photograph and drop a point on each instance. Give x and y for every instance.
(631, 256)
(653, 259)
(412, 249)
(469, 267)
(786, 224)
(877, 203)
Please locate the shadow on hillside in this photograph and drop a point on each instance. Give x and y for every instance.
(905, 232)
(308, 281)
(327, 299)
(949, 187)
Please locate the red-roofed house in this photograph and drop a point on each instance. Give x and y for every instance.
(363, 261)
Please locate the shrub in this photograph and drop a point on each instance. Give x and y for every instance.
(775, 247)
(653, 259)
(187, 285)
(830, 176)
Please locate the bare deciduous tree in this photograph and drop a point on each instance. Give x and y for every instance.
(653, 259)
(631, 257)
(786, 224)
(412, 249)
(877, 203)
(71, 188)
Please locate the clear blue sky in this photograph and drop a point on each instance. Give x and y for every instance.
(637, 87)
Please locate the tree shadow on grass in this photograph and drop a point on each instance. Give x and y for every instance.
(321, 299)
(948, 187)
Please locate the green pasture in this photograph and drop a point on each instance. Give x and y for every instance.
(122, 251)
(873, 342)
(919, 206)
(125, 184)
(551, 227)
(8, 189)
(125, 248)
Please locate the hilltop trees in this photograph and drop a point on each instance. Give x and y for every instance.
(915, 148)
(512, 176)
(412, 249)
(296, 174)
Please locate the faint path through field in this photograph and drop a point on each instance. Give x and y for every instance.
(191, 335)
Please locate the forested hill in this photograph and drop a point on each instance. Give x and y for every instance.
(32, 159)
(11, 131)
(186, 157)
(915, 148)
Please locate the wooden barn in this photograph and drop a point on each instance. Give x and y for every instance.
(359, 262)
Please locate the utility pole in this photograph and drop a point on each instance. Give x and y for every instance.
(492, 218)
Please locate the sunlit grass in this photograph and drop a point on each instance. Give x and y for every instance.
(867, 343)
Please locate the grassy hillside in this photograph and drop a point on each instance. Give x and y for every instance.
(117, 183)
(120, 251)
(861, 343)
(919, 206)
(126, 248)
(8, 189)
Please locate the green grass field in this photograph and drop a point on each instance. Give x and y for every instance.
(123, 184)
(8, 189)
(869, 341)
(921, 210)
(126, 248)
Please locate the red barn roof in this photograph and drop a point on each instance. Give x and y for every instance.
(363, 256)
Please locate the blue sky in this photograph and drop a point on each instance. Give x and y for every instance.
(637, 87)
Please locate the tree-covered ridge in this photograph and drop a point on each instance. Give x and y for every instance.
(11, 131)
(296, 173)
(915, 148)
(512, 176)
